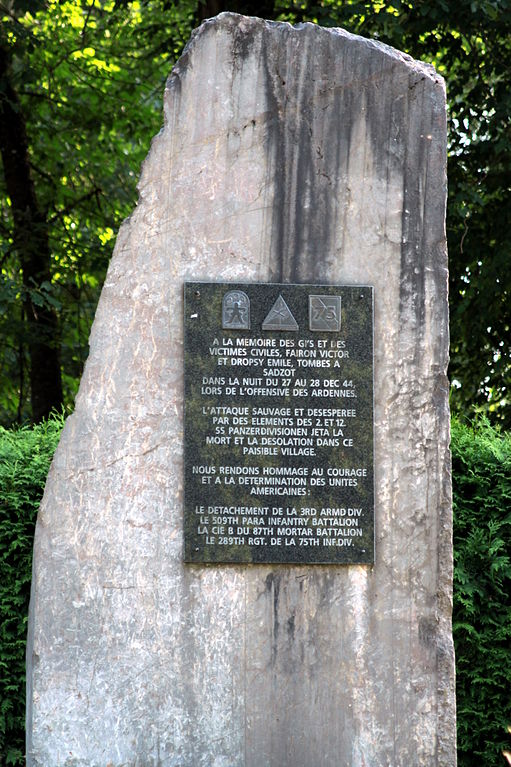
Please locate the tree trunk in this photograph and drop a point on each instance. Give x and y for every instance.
(31, 243)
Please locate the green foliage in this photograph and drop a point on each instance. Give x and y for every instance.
(90, 80)
(470, 45)
(90, 76)
(482, 591)
(25, 456)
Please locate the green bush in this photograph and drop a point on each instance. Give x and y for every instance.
(482, 591)
(25, 456)
(482, 582)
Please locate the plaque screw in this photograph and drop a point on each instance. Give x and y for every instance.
(197, 293)
(361, 295)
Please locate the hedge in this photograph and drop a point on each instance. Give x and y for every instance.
(25, 456)
(482, 582)
(482, 591)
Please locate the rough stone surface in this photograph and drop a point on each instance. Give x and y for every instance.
(288, 154)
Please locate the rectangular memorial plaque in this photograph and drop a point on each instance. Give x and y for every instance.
(278, 423)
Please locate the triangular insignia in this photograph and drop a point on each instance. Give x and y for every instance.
(279, 317)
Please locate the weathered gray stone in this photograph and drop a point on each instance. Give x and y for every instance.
(288, 154)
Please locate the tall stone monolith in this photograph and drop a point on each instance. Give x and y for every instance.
(288, 155)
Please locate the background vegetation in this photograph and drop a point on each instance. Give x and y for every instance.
(482, 591)
(81, 83)
(25, 456)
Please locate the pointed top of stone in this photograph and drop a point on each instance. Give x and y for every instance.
(247, 28)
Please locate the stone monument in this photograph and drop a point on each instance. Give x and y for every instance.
(300, 176)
